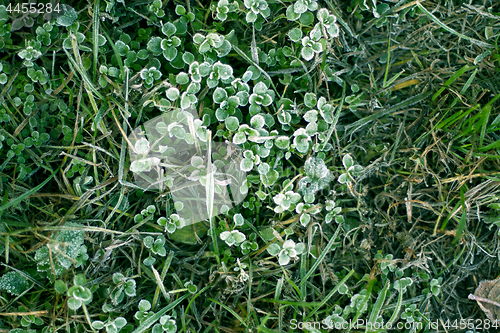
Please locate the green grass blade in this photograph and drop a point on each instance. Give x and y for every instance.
(16, 201)
(325, 251)
(364, 121)
(374, 314)
(153, 319)
(95, 37)
(330, 294)
(231, 311)
(450, 30)
(452, 79)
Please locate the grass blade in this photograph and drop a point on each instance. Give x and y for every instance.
(321, 256)
(153, 319)
(330, 294)
(95, 37)
(452, 79)
(363, 122)
(231, 311)
(450, 30)
(26, 194)
(377, 306)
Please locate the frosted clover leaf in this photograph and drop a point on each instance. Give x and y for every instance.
(317, 178)
(289, 250)
(301, 140)
(333, 212)
(220, 72)
(79, 294)
(261, 96)
(212, 42)
(301, 6)
(3, 76)
(111, 325)
(173, 223)
(285, 201)
(31, 53)
(150, 76)
(328, 21)
(14, 282)
(224, 8)
(352, 170)
(66, 250)
(198, 71)
(233, 237)
(123, 286)
(257, 7)
(310, 47)
(166, 46)
(167, 324)
(157, 8)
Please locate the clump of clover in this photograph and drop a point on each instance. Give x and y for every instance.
(182, 22)
(28, 320)
(122, 286)
(252, 133)
(79, 294)
(31, 52)
(249, 245)
(112, 325)
(220, 72)
(142, 147)
(174, 222)
(233, 237)
(300, 8)
(66, 250)
(41, 76)
(166, 46)
(307, 208)
(317, 176)
(256, 8)
(319, 119)
(223, 8)
(286, 201)
(229, 100)
(287, 251)
(327, 23)
(261, 96)
(166, 323)
(150, 75)
(411, 314)
(434, 287)
(155, 246)
(156, 7)
(335, 319)
(333, 212)
(212, 43)
(352, 170)
(386, 263)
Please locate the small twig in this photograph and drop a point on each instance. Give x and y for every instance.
(482, 299)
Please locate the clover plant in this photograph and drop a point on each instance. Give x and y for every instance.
(66, 250)
(289, 250)
(233, 237)
(79, 295)
(224, 7)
